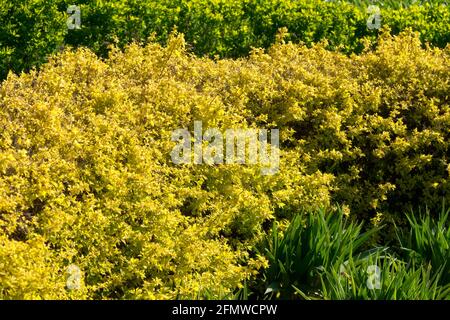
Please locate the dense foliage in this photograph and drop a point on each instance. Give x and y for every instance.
(86, 176)
(31, 29)
(324, 255)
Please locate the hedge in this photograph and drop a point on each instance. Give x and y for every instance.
(86, 175)
(30, 30)
(228, 28)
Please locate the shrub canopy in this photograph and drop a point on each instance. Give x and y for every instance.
(86, 176)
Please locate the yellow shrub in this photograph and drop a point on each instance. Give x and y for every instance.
(86, 176)
(27, 272)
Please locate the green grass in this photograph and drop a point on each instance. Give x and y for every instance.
(382, 278)
(428, 241)
(315, 241)
(324, 255)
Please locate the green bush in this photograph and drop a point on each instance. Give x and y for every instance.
(231, 28)
(30, 30)
(228, 28)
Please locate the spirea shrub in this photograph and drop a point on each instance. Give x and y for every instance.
(86, 176)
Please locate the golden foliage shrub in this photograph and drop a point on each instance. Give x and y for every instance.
(378, 122)
(86, 176)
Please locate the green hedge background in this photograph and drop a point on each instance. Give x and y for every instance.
(33, 29)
